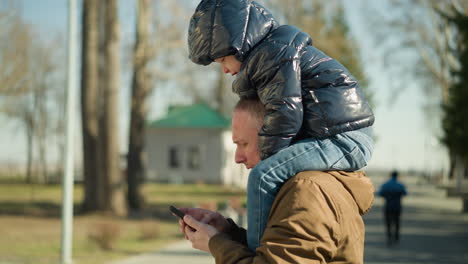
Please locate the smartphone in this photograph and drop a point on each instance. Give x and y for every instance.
(177, 212)
(180, 214)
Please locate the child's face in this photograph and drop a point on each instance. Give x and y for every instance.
(230, 64)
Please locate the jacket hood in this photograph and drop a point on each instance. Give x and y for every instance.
(359, 186)
(220, 28)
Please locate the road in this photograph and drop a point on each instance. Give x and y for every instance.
(432, 230)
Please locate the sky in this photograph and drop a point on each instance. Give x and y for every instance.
(403, 140)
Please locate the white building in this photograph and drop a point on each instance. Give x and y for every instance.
(193, 144)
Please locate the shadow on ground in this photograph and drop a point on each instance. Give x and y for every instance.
(33, 209)
(427, 236)
(49, 209)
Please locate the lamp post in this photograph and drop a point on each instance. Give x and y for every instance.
(67, 183)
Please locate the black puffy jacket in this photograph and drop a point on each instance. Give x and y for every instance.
(305, 92)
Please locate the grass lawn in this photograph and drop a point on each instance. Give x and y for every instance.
(30, 226)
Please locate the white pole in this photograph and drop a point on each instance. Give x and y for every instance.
(67, 183)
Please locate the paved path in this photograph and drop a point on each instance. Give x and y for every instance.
(432, 231)
(177, 253)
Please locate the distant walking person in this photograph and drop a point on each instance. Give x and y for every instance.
(392, 191)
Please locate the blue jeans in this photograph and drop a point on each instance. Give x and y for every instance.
(348, 151)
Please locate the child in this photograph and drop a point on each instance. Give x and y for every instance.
(316, 115)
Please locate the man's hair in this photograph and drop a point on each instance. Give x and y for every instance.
(252, 106)
(394, 174)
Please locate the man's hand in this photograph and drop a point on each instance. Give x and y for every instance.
(204, 216)
(199, 233)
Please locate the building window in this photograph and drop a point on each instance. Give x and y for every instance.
(174, 158)
(194, 159)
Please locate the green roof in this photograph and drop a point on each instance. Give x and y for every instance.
(193, 116)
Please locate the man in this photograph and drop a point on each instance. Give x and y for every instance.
(318, 117)
(316, 216)
(392, 191)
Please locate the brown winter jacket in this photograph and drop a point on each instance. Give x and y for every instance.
(316, 218)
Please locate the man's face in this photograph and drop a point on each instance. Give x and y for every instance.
(245, 135)
(230, 64)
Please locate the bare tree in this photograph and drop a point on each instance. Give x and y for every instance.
(325, 22)
(24, 113)
(27, 82)
(90, 106)
(104, 185)
(42, 85)
(418, 27)
(141, 87)
(170, 63)
(111, 155)
(15, 41)
(220, 90)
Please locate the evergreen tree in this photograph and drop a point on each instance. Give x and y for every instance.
(455, 122)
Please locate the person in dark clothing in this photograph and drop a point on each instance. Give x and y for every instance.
(317, 117)
(392, 191)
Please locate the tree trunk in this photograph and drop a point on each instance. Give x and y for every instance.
(43, 168)
(114, 180)
(102, 187)
(220, 91)
(29, 161)
(42, 126)
(141, 86)
(89, 105)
